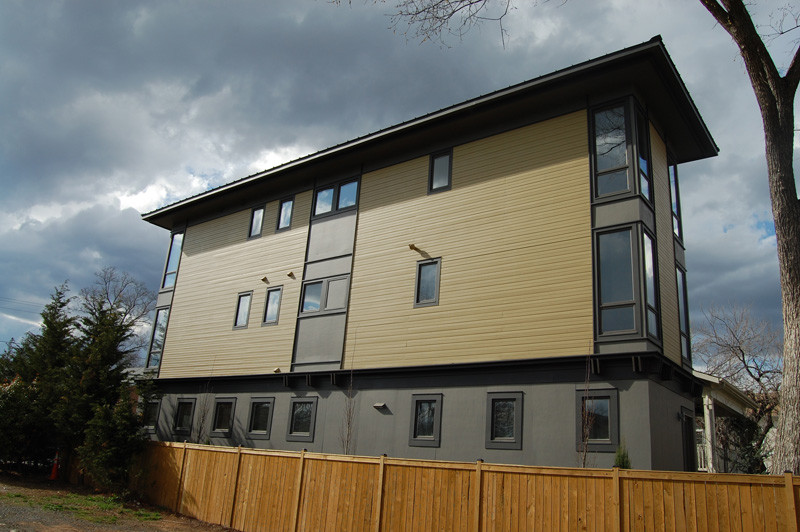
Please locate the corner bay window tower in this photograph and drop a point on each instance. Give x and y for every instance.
(502, 279)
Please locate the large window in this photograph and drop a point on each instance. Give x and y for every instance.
(273, 305)
(426, 292)
(677, 225)
(504, 420)
(157, 340)
(335, 198)
(256, 221)
(440, 173)
(223, 416)
(683, 315)
(285, 214)
(615, 265)
(184, 415)
(325, 295)
(260, 422)
(242, 310)
(426, 420)
(302, 418)
(597, 420)
(173, 258)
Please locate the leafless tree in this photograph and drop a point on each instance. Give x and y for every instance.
(775, 93)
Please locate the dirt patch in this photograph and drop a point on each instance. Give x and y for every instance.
(29, 504)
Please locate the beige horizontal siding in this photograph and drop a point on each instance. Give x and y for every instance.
(219, 262)
(514, 235)
(666, 251)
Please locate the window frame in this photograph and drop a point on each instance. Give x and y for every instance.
(323, 298)
(515, 442)
(264, 321)
(336, 187)
(151, 429)
(227, 433)
(302, 436)
(675, 198)
(260, 434)
(641, 120)
(635, 288)
(431, 164)
(603, 446)
(684, 323)
(174, 271)
(184, 430)
(428, 302)
(239, 296)
(281, 203)
(436, 438)
(150, 350)
(250, 234)
(647, 305)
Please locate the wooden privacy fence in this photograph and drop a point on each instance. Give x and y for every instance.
(256, 490)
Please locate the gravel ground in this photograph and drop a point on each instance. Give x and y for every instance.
(21, 501)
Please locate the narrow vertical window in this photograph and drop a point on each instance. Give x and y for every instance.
(440, 172)
(273, 305)
(223, 416)
(611, 152)
(427, 289)
(643, 150)
(173, 258)
(302, 418)
(242, 310)
(504, 420)
(650, 286)
(617, 305)
(426, 419)
(157, 340)
(285, 214)
(683, 314)
(675, 195)
(184, 414)
(256, 221)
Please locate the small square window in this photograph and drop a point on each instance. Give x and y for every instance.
(260, 422)
(256, 221)
(150, 415)
(302, 418)
(348, 194)
(597, 420)
(324, 201)
(440, 172)
(504, 420)
(426, 420)
(184, 415)
(427, 288)
(273, 306)
(223, 416)
(285, 214)
(242, 310)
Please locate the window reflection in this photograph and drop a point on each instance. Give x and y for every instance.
(348, 194)
(324, 201)
(503, 419)
(285, 218)
(424, 415)
(173, 258)
(596, 419)
(301, 417)
(312, 295)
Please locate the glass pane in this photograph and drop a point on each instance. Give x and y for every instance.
(150, 415)
(423, 425)
(222, 416)
(441, 172)
(255, 223)
(596, 418)
(652, 322)
(259, 417)
(183, 418)
(642, 144)
(682, 315)
(676, 226)
(324, 202)
(610, 139)
(160, 329)
(612, 182)
(285, 219)
(348, 194)
(273, 305)
(649, 270)
(684, 347)
(243, 310)
(428, 277)
(617, 319)
(301, 417)
(503, 418)
(173, 259)
(616, 270)
(312, 295)
(644, 185)
(337, 294)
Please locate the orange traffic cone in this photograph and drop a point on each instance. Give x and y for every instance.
(54, 472)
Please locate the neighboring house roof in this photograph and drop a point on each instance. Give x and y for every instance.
(725, 392)
(645, 68)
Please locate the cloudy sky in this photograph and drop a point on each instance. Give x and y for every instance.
(112, 109)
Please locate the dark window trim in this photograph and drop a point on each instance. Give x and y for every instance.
(677, 218)
(250, 234)
(323, 298)
(603, 446)
(435, 301)
(302, 436)
(151, 429)
(239, 297)
(260, 434)
(184, 430)
(656, 304)
(166, 272)
(425, 441)
(638, 111)
(150, 349)
(686, 335)
(278, 227)
(335, 200)
(504, 443)
(636, 282)
(224, 432)
(433, 156)
(264, 322)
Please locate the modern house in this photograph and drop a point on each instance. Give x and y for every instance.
(501, 279)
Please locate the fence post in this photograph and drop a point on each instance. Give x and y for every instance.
(476, 503)
(179, 494)
(615, 498)
(299, 490)
(235, 485)
(791, 505)
(379, 502)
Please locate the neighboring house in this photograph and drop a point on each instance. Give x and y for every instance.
(501, 279)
